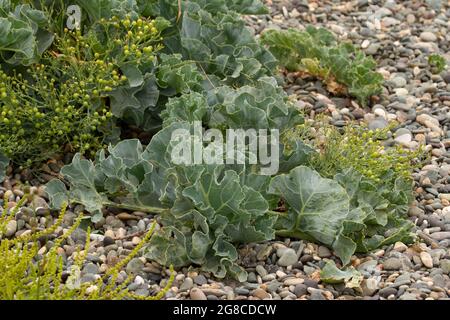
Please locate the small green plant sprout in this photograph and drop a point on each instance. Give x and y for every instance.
(437, 63)
(316, 52)
(29, 272)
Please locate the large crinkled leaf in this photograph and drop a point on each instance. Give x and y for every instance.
(134, 75)
(132, 103)
(379, 213)
(57, 194)
(124, 168)
(223, 46)
(261, 106)
(224, 213)
(175, 76)
(217, 197)
(362, 218)
(240, 6)
(173, 252)
(317, 206)
(94, 185)
(159, 151)
(297, 154)
(212, 35)
(82, 174)
(81, 171)
(188, 108)
(97, 9)
(169, 8)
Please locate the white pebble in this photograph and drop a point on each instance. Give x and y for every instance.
(139, 280)
(426, 259)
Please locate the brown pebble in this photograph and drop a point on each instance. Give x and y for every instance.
(124, 216)
(261, 294)
(197, 294)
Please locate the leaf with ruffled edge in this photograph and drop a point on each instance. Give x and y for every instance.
(23, 34)
(317, 208)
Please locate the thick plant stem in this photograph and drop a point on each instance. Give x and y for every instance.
(291, 234)
(136, 208)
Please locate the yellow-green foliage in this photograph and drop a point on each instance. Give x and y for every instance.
(63, 100)
(359, 148)
(23, 276)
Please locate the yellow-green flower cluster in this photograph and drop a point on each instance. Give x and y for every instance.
(62, 103)
(363, 150)
(139, 43)
(359, 148)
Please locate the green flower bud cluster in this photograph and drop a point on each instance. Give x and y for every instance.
(363, 149)
(359, 148)
(141, 40)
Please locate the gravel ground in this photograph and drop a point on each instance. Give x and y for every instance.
(400, 35)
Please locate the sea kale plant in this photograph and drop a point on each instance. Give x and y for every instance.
(206, 210)
(163, 66)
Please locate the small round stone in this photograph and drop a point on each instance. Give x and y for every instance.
(288, 258)
(426, 259)
(428, 36)
(197, 294)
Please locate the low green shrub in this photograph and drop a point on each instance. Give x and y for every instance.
(316, 51)
(28, 274)
(360, 192)
(437, 63)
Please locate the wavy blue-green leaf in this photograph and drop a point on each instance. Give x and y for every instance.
(4, 162)
(23, 34)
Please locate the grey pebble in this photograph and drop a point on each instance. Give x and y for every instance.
(386, 292)
(187, 284)
(378, 124)
(392, 264)
(200, 280)
(324, 252)
(300, 290)
(288, 258)
(261, 270)
(91, 268)
(11, 228)
(79, 236)
(135, 266)
(445, 266)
